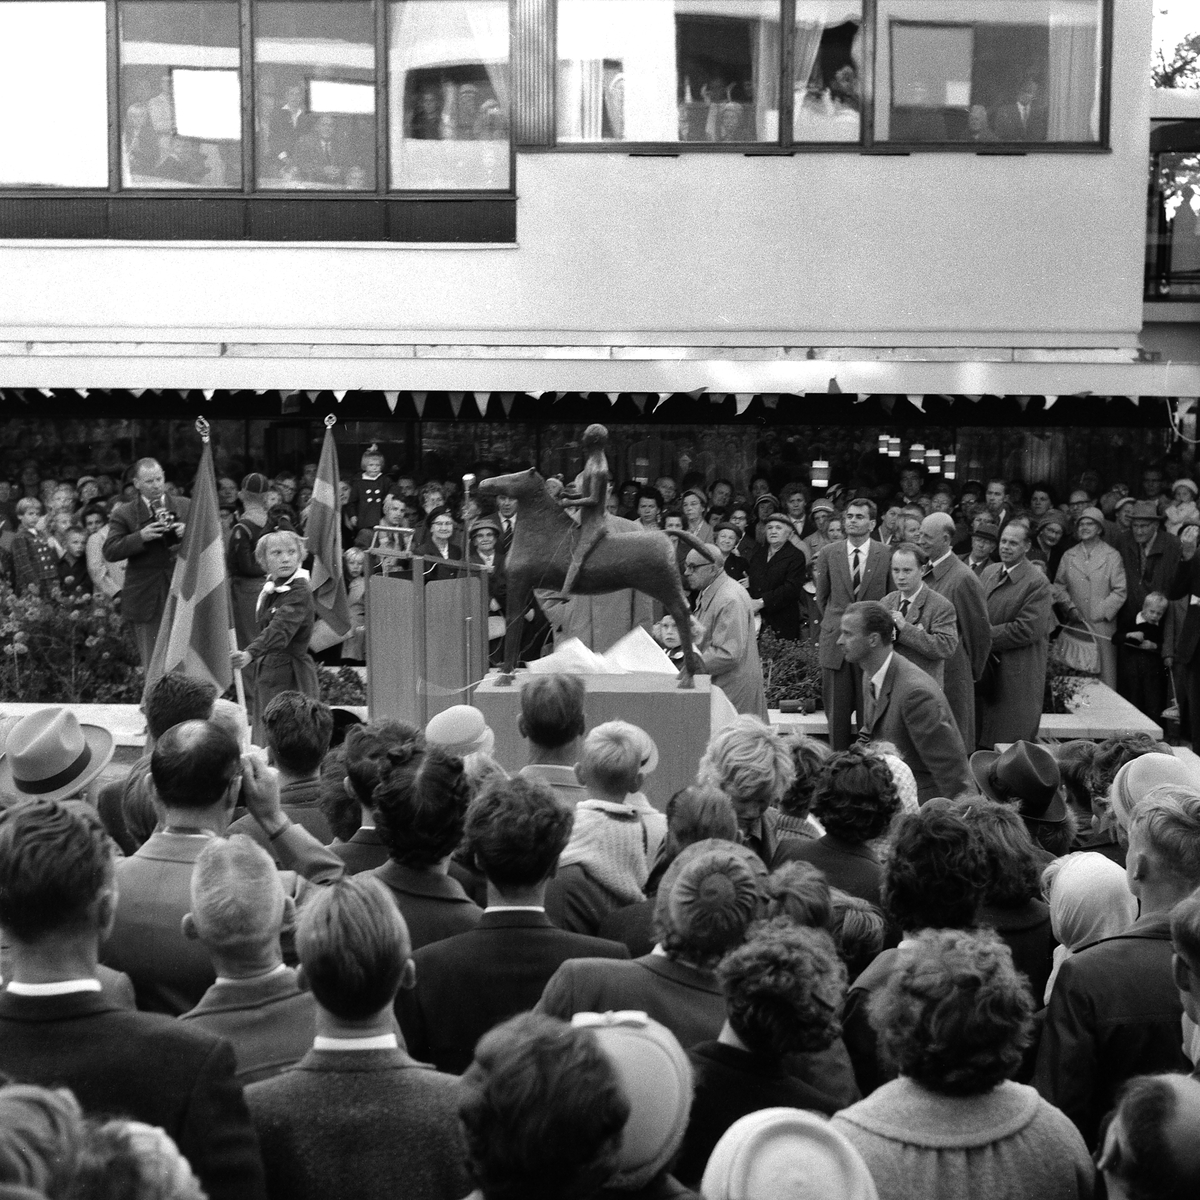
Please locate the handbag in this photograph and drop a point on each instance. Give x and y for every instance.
(1078, 649)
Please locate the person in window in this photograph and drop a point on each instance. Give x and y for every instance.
(179, 161)
(978, 129)
(427, 113)
(292, 122)
(161, 109)
(1027, 118)
(320, 155)
(141, 145)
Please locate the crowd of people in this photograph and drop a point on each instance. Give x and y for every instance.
(376, 960)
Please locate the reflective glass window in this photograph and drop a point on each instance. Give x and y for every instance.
(1025, 71)
(54, 87)
(314, 95)
(827, 68)
(668, 71)
(181, 99)
(448, 83)
(1173, 233)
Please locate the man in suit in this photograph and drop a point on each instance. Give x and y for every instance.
(552, 721)
(321, 154)
(145, 533)
(1150, 554)
(470, 983)
(58, 898)
(1019, 609)
(1027, 119)
(926, 624)
(951, 578)
(197, 773)
(1187, 642)
(903, 705)
(723, 628)
(847, 571)
(358, 1117)
(985, 534)
(238, 912)
(777, 578)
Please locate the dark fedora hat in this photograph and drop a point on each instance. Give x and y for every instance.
(986, 529)
(1025, 774)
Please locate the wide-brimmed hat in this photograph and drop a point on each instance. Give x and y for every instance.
(460, 729)
(987, 529)
(1145, 510)
(657, 1079)
(1025, 774)
(49, 755)
(1142, 775)
(1187, 483)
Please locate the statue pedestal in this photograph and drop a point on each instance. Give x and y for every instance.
(678, 719)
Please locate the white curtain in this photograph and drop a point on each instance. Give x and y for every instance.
(764, 76)
(488, 22)
(1073, 94)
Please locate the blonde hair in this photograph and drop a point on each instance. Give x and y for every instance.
(613, 754)
(748, 761)
(274, 539)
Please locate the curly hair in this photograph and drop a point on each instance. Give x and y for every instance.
(955, 1016)
(808, 758)
(1013, 868)
(349, 772)
(1075, 761)
(798, 892)
(935, 873)
(543, 1110)
(858, 930)
(1111, 755)
(855, 796)
(515, 830)
(420, 803)
(749, 762)
(784, 989)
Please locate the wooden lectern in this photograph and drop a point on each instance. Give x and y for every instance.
(427, 641)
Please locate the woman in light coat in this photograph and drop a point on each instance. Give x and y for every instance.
(1090, 583)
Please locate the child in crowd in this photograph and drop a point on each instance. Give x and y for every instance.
(354, 648)
(1141, 671)
(73, 576)
(667, 634)
(1183, 509)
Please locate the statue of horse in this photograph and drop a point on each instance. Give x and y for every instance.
(543, 540)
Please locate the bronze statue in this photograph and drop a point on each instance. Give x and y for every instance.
(544, 547)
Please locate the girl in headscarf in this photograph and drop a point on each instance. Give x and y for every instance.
(1089, 899)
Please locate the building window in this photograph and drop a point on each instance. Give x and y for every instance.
(1173, 228)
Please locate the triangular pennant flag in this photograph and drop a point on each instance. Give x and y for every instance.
(312, 395)
(1022, 402)
(481, 402)
(639, 402)
(392, 398)
(613, 397)
(833, 388)
(771, 400)
(973, 399)
(535, 395)
(261, 391)
(660, 398)
(418, 399)
(83, 392)
(209, 393)
(743, 400)
(137, 393)
(696, 393)
(340, 395)
(1051, 401)
(287, 393)
(506, 402)
(47, 392)
(456, 399)
(717, 397)
(887, 403)
(918, 402)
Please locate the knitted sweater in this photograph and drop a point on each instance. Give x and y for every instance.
(1007, 1144)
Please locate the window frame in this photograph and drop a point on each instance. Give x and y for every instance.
(786, 147)
(1182, 135)
(246, 212)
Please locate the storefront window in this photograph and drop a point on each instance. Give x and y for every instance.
(827, 58)
(668, 71)
(1026, 72)
(448, 79)
(1173, 232)
(314, 104)
(54, 92)
(181, 99)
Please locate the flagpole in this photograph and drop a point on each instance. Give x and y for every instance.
(205, 431)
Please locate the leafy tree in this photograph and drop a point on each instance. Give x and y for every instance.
(1182, 69)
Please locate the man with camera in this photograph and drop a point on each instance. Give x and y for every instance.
(145, 533)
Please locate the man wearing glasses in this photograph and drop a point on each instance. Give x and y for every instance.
(724, 631)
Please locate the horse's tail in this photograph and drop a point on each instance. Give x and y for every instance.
(693, 542)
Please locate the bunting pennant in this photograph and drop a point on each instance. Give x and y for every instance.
(1051, 401)
(418, 399)
(1022, 402)
(639, 402)
(312, 395)
(137, 393)
(82, 392)
(742, 401)
(47, 392)
(887, 403)
(506, 402)
(659, 400)
(717, 397)
(481, 402)
(324, 533)
(194, 635)
(918, 402)
(613, 397)
(771, 400)
(339, 396)
(833, 389)
(456, 402)
(209, 393)
(392, 399)
(696, 393)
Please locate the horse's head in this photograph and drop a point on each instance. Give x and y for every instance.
(519, 484)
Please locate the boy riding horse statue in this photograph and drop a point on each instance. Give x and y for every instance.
(544, 549)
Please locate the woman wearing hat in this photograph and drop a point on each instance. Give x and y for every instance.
(485, 550)
(1090, 584)
(1052, 541)
(1183, 509)
(285, 623)
(246, 576)
(438, 548)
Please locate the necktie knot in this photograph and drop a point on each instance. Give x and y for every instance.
(904, 606)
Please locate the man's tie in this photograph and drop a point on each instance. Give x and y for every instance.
(904, 607)
(506, 541)
(1003, 577)
(856, 578)
(872, 698)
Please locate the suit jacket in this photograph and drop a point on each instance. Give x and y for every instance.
(930, 636)
(835, 592)
(1114, 1013)
(360, 1125)
(433, 906)
(1154, 573)
(730, 652)
(312, 159)
(269, 1021)
(299, 800)
(171, 973)
(363, 852)
(139, 1065)
(1020, 613)
(778, 582)
(149, 565)
(853, 868)
(470, 983)
(912, 713)
(687, 1001)
(954, 580)
(1009, 127)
